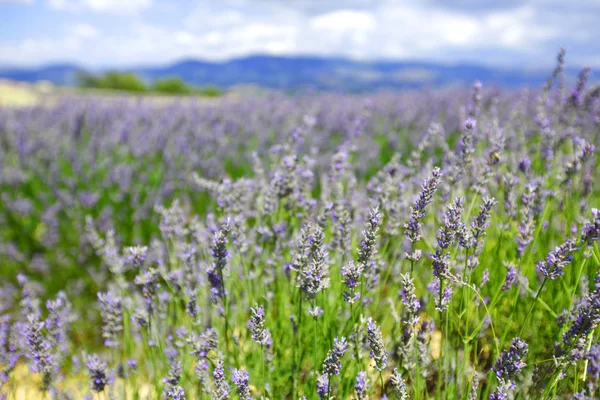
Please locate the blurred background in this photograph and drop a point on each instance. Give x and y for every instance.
(211, 47)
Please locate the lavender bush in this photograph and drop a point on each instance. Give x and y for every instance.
(398, 245)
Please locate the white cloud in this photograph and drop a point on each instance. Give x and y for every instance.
(102, 6)
(387, 29)
(22, 2)
(84, 31)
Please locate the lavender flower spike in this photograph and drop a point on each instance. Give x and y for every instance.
(399, 385)
(409, 299)
(322, 386)
(351, 274)
(375, 340)
(591, 230)
(417, 212)
(506, 368)
(99, 374)
(552, 267)
(221, 388)
(112, 318)
(260, 335)
(333, 364)
(368, 244)
(241, 379)
(361, 386)
(453, 225)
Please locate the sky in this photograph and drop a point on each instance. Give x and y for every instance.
(127, 33)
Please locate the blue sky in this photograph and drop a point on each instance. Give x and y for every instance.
(101, 33)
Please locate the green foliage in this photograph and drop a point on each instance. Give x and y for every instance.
(210, 91)
(127, 81)
(130, 82)
(171, 86)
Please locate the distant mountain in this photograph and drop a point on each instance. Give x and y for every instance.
(289, 73)
(59, 74)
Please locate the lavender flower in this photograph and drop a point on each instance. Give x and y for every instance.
(485, 277)
(441, 266)
(112, 318)
(322, 386)
(591, 230)
(39, 350)
(442, 297)
(175, 393)
(527, 224)
(466, 142)
(333, 364)
(313, 279)
(241, 379)
(510, 203)
(136, 255)
(453, 225)
(586, 320)
(478, 226)
(301, 253)
(260, 335)
(417, 212)
(351, 274)
(219, 254)
(511, 277)
(221, 387)
(361, 386)
(409, 299)
(398, 385)
(148, 280)
(509, 364)
(100, 376)
(593, 369)
(552, 267)
(204, 343)
(375, 340)
(368, 245)
(473, 393)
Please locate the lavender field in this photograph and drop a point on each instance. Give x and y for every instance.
(421, 244)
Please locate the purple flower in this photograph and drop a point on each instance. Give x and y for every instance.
(509, 364)
(453, 224)
(552, 267)
(527, 224)
(593, 369)
(220, 386)
(100, 376)
(361, 386)
(409, 299)
(175, 393)
(322, 386)
(441, 266)
(260, 335)
(112, 318)
(398, 385)
(375, 340)
(591, 230)
(219, 254)
(204, 343)
(368, 245)
(39, 350)
(136, 255)
(351, 274)
(241, 380)
(313, 279)
(511, 277)
(417, 212)
(333, 364)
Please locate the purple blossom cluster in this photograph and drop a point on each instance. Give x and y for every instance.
(271, 246)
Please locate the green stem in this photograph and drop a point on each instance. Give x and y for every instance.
(532, 306)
